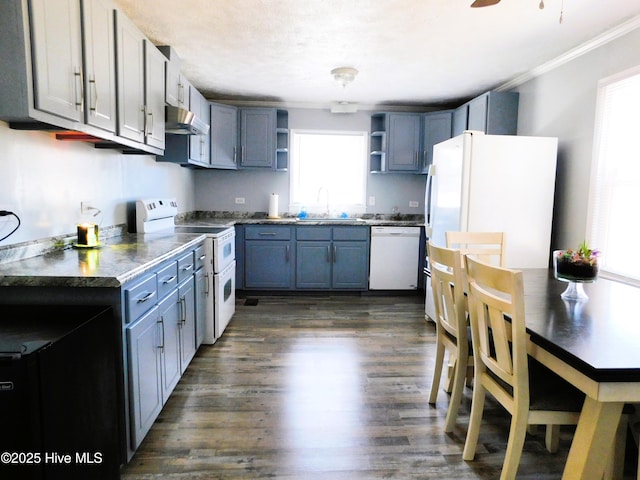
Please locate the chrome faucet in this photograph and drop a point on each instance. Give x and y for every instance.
(326, 192)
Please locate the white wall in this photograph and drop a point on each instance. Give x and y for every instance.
(217, 189)
(562, 103)
(43, 180)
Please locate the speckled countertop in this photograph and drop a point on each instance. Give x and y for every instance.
(260, 218)
(118, 260)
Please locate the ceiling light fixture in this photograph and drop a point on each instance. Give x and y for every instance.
(344, 75)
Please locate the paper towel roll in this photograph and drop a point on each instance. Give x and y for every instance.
(273, 206)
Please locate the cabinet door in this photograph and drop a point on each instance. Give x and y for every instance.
(460, 115)
(436, 128)
(267, 264)
(199, 144)
(169, 312)
(313, 265)
(176, 86)
(57, 57)
(224, 136)
(99, 64)
(257, 137)
(202, 298)
(154, 95)
(187, 293)
(350, 265)
(478, 113)
(131, 98)
(144, 341)
(404, 142)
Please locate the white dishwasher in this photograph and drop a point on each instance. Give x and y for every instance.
(394, 259)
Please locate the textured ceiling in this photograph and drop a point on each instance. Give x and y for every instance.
(408, 52)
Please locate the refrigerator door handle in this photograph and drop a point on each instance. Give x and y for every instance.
(427, 200)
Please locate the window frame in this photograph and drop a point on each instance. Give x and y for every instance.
(598, 184)
(320, 207)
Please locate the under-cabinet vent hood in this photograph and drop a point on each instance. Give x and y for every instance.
(183, 122)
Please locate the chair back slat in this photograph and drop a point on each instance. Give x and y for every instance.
(448, 288)
(488, 247)
(497, 320)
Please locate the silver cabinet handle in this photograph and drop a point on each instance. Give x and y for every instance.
(202, 257)
(143, 110)
(186, 268)
(266, 233)
(183, 310)
(169, 280)
(235, 153)
(335, 254)
(94, 87)
(242, 155)
(79, 92)
(147, 297)
(161, 323)
(328, 254)
(206, 284)
(288, 252)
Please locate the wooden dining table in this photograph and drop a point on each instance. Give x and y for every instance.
(595, 345)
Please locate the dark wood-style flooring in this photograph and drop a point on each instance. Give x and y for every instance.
(324, 387)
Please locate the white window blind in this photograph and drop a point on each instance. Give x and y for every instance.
(615, 184)
(328, 168)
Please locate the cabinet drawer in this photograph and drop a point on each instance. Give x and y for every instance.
(350, 233)
(167, 279)
(141, 297)
(199, 256)
(262, 232)
(185, 266)
(313, 233)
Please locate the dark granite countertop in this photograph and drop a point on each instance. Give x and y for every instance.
(117, 261)
(221, 220)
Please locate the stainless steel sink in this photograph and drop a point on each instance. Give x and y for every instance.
(330, 219)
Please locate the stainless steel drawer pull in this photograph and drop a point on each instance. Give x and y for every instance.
(147, 297)
(161, 322)
(202, 257)
(267, 233)
(169, 280)
(187, 268)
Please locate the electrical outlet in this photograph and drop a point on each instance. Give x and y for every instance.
(414, 204)
(240, 200)
(372, 201)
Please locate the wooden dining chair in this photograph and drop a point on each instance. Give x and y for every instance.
(451, 326)
(530, 392)
(486, 246)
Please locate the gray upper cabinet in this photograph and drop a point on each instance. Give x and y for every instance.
(63, 74)
(57, 57)
(403, 141)
(436, 128)
(199, 151)
(257, 137)
(395, 140)
(224, 136)
(494, 113)
(141, 73)
(176, 84)
(99, 63)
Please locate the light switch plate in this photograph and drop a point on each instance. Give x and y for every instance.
(414, 203)
(240, 200)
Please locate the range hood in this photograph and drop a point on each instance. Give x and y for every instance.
(183, 122)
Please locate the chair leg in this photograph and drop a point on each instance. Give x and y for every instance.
(456, 396)
(437, 372)
(615, 465)
(475, 419)
(552, 438)
(517, 434)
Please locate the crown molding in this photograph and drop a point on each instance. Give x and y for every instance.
(602, 39)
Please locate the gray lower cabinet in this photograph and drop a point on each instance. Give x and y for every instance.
(160, 331)
(332, 258)
(268, 257)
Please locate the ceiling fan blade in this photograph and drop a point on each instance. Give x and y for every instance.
(483, 3)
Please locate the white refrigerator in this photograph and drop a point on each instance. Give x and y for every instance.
(504, 183)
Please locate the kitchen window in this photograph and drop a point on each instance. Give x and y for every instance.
(328, 171)
(615, 186)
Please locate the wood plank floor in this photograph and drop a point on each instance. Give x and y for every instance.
(324, 387)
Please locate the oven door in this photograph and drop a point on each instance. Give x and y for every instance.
(224, 248)
(225, 298)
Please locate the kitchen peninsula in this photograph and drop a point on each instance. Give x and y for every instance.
(149, 282)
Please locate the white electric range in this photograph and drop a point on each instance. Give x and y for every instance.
(158, 215)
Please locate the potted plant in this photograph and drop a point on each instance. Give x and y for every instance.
(576, 267)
